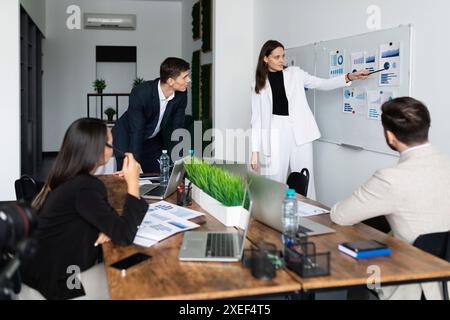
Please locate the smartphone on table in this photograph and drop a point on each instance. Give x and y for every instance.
(130, 261)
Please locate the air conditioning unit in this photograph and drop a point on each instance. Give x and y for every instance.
(110, 21)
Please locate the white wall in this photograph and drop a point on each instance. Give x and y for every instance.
(10, 98)
(120, 77)
(36, 10)
(297, 22)
(233, 66)
(69, 55)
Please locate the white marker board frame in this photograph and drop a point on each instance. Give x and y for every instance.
(349, 130)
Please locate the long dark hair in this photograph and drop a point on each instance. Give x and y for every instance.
(261, 69)
(81, 151)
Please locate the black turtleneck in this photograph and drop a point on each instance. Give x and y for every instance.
(279, 99)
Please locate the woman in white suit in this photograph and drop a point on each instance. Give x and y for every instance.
(283, 126)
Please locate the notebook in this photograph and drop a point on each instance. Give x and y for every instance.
(365, 249)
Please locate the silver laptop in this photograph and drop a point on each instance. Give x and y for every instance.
(159, 192)
(217, 246)
(268, 196)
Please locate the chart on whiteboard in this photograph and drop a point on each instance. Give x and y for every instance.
(375, 99)
(337, 63)
(390, 61)
(354, 101)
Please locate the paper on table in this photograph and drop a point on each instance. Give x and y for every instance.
(163, 220)
(144, 181)
(145, 242)
(174, 210)
(307, 210)
(164, 229)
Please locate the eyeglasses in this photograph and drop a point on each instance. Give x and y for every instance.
(122, 154)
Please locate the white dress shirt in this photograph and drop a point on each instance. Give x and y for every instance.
(163, 101)
(415, 148)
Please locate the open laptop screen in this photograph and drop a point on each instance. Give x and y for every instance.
(244, 219)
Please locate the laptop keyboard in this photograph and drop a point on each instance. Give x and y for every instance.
(151, 189)
(220, 245)
(158, 191)
(146, 188)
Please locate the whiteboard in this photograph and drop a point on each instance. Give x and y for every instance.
(354, 128)
(306, 56)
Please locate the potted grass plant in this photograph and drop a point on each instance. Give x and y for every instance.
(217, 191)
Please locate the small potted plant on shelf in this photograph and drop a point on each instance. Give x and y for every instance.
(99, 85)
(138, 81)
(110, 112)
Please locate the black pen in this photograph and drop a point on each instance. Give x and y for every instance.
(377, 71)
(122, 154)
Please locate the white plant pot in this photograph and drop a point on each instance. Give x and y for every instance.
(230, 216)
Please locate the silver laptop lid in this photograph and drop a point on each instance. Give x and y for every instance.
(245, 219)
(175, 177)
(268, 196)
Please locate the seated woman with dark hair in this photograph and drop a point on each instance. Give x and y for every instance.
(74, 216)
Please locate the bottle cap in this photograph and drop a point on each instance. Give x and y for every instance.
(290, 193)
(164, 151)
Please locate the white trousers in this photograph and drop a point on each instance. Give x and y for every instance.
(286, 156)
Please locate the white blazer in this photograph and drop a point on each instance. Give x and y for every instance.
(305, 126)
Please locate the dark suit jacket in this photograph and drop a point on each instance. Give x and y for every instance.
(68, 224)
(140, 120)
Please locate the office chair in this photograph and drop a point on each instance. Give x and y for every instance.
(437, 244)
(380, 223)
(299, 181)
(27, 188)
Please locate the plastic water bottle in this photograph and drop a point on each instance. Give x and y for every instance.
(191, 155)
(290, 217)
(164, 168)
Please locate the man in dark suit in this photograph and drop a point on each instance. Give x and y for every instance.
(155, 110)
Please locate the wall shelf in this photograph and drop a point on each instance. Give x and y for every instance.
(102, 95)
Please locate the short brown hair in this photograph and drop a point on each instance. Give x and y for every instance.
(172, 68)
(407, 118)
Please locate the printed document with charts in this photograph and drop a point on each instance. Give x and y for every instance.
(308, 210)
(163, 220)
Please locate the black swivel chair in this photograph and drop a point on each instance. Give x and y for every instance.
(437, 244)
(380, 223)
(299, 181)
(27, 188)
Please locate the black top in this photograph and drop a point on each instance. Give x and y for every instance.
(279, 99)
(69, 222)
(140, 120)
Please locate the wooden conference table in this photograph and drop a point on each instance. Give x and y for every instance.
(165, 277)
